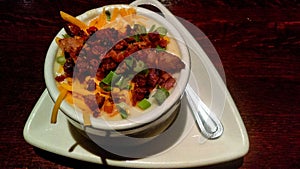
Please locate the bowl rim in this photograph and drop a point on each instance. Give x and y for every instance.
(99, 123)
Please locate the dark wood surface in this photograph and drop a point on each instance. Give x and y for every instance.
(258, 43)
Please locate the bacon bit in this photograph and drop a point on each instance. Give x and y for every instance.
(100, 100)
(60, 78)
(138, 93)
(91, 85)
(90, 101)
(96, 113)
(142, 84)
(168, 84)
(73, 30)
(73, 20)
(153, 77)
(108, 107)
(91, 30)
(118, 57)
(163, 43)
(165, 76)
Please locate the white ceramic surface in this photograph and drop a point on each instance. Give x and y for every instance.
(184, 147)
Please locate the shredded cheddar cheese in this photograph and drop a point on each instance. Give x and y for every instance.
(73, 20)
(57, 104)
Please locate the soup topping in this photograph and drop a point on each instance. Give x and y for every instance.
(107, 71)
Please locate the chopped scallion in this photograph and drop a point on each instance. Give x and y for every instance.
(66, 36)
(162, 31)
(108, 15)
(136, 37)
(122, 110)
(125, 85)
(61, 60)
(144, 104)
(108, 78)
(145, 72)
(139, 29)
(161, 95)
(120, 81)
(160, 49)
(123, 114)
(140, 66)
(129, 61)
(122, 105)
(105, 87)
(152, 28)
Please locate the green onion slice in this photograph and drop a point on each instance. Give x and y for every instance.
(123, 114)
(129, 61)
(140, 29)
(160, 49)
(122, 109)
(162, 31)
(161, 95)
(61, 60)
(108, 78)
(119, 81)
(144, 104)
(152, 28)
(108, 15)
(66, 36)
(140, 66)
(105, 87)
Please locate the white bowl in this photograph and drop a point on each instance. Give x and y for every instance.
(146, 123)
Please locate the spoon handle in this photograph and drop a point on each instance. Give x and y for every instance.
(209, 125)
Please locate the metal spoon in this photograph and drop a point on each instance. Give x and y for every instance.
(209, 125)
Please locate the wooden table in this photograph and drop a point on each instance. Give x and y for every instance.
(257, 41)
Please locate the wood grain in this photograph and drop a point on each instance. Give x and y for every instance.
(257, 41)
